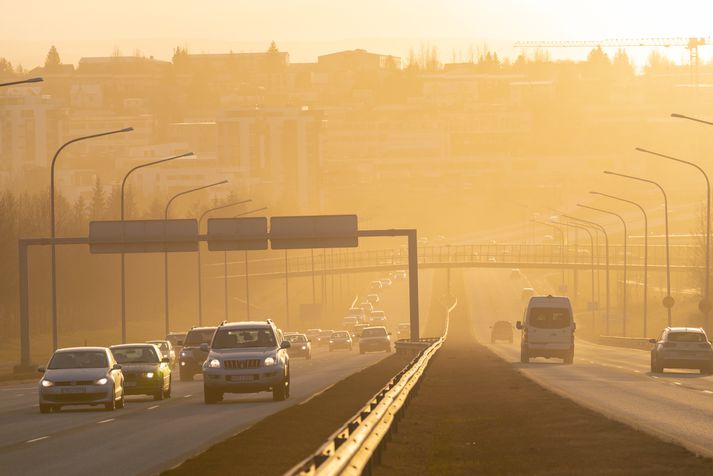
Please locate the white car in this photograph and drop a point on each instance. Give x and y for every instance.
(377, 318)
(81, 376)
(547, 329)
(374, 338)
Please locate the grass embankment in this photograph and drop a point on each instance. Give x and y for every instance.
(475, 414)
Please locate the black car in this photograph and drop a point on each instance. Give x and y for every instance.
(501, 330)
(146, 371)
(191, 358)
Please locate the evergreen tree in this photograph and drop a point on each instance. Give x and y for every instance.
(52, 60)
(98, 203)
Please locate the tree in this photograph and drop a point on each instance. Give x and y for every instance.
(52, 60)
(98, 203)
(623, 66)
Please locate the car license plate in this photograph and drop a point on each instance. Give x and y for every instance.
(242, 378)
(74, 390)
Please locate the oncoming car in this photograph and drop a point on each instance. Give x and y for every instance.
(146, 371)
(501, 330)
(300, 346)
(246, 357)
(682, 348)
(81, 376)
(374, 338)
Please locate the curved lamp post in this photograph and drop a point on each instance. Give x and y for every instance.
(52, 221)
(705, 305)
(625, 240)
(646, 251)
(165, 254)
(23, 81)
(668, 300)
(200, 279)
(123, 256)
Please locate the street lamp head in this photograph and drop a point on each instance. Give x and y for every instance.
(678, 116)
(126, 129)
(34, 80)
(187, 154)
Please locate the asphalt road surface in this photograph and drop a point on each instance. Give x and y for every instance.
(675, 405)
(147, 437)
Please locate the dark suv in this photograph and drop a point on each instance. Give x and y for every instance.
(192, 356)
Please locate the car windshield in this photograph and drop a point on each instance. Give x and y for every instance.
(375, 332)
(378, 314)
(340, 335)
(549, 318)
(296, 339)
(243, 338)
(81, 359)
(197, 337)
(163, 347)
(686, 337)
(135, 355)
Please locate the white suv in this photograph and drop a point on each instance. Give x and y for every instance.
(246, 357)
(547, 329)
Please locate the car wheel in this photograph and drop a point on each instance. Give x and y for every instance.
(279, 392)
(186, 377)
(111, 405)
(121, 403)
(160, 394)
(568, 359)
(707, 370)
(209, 396)
(45, 408)
(524, 358)
(170, 387)
(656, 368)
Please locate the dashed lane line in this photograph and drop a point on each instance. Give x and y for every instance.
(105, 421)
(37, 439)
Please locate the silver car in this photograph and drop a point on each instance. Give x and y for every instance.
(375, 338)
(81, 376)
(682, 348)
(246, 357)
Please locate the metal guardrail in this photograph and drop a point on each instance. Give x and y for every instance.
(353, 448)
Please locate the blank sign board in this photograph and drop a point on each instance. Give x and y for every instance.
(228, 234)
(321, 231)
(143, 236)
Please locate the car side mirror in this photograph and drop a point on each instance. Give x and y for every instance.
(518, 325)
(285, 344)
(205, 347)
(116, 367)
(41, 370)
(574, 326)
(652, 341)
(166, 360)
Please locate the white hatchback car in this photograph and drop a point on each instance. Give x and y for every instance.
(81, 376)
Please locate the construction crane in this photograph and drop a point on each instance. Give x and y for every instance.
(691, 44)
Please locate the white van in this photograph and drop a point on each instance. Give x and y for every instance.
(547, 329)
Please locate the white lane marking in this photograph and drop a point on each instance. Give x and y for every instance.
(37, 439)
(153, 407)
(654, 376)
(637, 371)
(707, 391)
(187, 396)
(105, 421)
(677, 383)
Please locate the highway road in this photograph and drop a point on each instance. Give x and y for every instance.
(675, 405)
(147, 436)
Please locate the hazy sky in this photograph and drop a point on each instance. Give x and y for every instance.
(306, 28)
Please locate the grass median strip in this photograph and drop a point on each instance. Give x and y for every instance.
(275, 444)
(475, 414)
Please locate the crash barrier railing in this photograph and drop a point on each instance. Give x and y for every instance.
(628, 342)
(359, 442)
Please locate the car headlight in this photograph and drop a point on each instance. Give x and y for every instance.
(214, 364)
(331, 341)
(270, 361)
(304, 347)
(185, 353)
(101, 381)
(47, 383)
(148, 374)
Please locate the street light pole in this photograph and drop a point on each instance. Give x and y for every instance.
(165, 253)
(668, 301)
(625, 257)
(247, 277)
(52, 222)
(591, 240)
(200, 279)
(646, 251)
(606, 264)
(705, 305)
(23, 81)
(123, 256)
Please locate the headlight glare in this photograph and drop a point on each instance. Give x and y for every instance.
(214, 364)
(270, 361)
(149, 374)
(304, 347)
(101, 381)
(47, 383)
